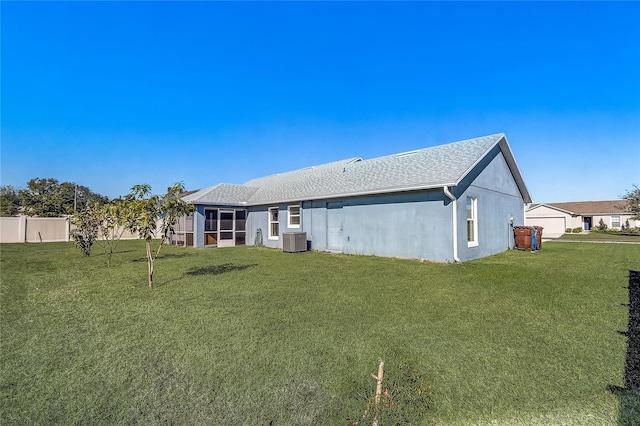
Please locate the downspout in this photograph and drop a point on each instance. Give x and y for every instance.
(454, 209)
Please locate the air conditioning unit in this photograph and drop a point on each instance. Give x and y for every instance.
(294, 242)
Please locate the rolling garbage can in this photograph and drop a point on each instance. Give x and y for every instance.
(528, 237)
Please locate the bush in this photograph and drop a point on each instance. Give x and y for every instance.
(87, 225)
(602, 226)
(577, 230)
(568, 230)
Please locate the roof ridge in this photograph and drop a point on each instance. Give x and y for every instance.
(443, 145)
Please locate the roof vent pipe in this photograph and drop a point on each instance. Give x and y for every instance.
(454, 219)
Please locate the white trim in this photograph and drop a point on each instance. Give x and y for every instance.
(270, 222)
(454, 222)
(293, 225)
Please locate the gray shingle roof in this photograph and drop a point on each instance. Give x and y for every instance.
(421, 169)
(222, 194)
(590, 207)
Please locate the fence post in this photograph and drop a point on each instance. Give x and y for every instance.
(67, 229)
(22, 229)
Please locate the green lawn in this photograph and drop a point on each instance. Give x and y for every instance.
(602, 237)
(257, 337)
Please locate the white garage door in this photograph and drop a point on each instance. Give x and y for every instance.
(553, 226)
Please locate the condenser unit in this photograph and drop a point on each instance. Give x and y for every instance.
(293, 242)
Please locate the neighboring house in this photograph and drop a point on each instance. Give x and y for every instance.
(445, 203)
(555, 218)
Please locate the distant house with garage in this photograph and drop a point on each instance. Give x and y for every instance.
(446, 203)
(556, 218)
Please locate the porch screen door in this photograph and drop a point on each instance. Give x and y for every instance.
(226, 229)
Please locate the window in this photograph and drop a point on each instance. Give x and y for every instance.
(615, 221)
(274, 230)
(294, 217)
(472, 222)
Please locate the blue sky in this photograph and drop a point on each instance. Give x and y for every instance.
(113, 94)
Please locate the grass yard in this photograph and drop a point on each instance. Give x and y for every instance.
(601, 237)
(259, 337)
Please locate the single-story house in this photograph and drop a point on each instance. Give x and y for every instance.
(556, 218)
(446, 203)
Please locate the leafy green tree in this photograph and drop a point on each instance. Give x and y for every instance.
(41, 198)
(9, 201)
(78, 197)
(49, 198)
(147, 214)
(633, 200)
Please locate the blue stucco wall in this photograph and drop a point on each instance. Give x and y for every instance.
(498, 200)
(408, 225)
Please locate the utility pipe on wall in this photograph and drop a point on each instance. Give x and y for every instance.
(454, 209)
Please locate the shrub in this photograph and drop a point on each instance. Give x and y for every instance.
(577, 230)
(568, 230)
(87, 225)
(602, 226)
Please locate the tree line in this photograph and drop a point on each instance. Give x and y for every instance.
(47, 198)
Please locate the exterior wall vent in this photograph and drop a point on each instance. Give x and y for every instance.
(294, 242)
(406, 154)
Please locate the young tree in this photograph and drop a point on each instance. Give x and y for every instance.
(99, 223)
(87, 227)
(9, 201)
(112, 227)
(145, 213)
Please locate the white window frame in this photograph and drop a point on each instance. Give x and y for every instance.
(271, 221)
(619, 221)
(290, 215)
(472, 241)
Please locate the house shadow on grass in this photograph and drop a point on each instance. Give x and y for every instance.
(102, 253)
(629, 395)
(210, 270)
(218, 269)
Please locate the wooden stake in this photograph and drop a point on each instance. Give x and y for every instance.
(378, 391)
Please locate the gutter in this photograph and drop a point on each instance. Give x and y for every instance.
(455, 222)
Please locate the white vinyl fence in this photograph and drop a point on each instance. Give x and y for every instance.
(25, 229)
